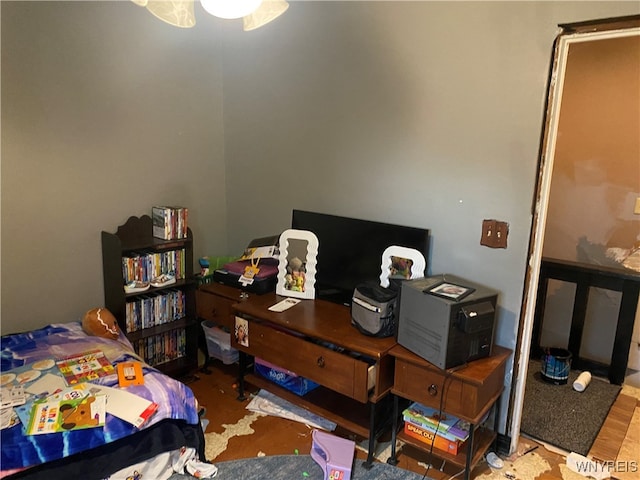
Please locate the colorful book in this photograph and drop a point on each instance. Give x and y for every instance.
(430, 428)
(461, 429)
(29, 374)
(429, 438)
(53, 416)
(25, 411)
(427, 416)
(85, 367)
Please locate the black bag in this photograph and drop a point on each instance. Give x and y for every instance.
(373, 310)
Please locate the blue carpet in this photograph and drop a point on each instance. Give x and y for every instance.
(299, 467)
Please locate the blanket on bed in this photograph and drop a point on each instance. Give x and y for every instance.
(175, 400)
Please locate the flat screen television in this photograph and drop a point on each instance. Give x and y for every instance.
(350, 250)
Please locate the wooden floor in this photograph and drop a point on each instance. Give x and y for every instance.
(273, 436)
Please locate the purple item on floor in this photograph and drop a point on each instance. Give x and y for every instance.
(334, 454)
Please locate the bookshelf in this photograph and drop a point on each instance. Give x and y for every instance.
(159, 322)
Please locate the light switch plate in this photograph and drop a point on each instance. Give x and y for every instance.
(494, 233)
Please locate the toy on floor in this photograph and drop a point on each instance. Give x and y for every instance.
(334, 454)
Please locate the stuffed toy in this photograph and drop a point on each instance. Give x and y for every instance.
(100, 322)
(295, 277)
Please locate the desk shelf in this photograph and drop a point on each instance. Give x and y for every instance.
(482, 440)
(344, 411)
(472, 391)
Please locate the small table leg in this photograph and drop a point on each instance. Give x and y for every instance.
(393, 459)
(372, 436)
(205, 367)
(242, 365)
(467, 467)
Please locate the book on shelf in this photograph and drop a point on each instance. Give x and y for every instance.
(85, 367)
(145, 266)
(154, 309)
(429, 438)
(162, 348)
(430, 428)
(169, 223)
(430, 418)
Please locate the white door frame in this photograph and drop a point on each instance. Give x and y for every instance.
(545, 171)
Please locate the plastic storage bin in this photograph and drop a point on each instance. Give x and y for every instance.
(219, 343)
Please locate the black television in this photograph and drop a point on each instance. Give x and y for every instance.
(350, 250)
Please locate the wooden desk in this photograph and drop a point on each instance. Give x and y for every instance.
(467, 392)
(315, 339)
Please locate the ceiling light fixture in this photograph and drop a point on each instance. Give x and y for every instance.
(230, 9)
(180, 13)
(267, 11)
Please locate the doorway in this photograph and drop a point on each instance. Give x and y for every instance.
(588, 180)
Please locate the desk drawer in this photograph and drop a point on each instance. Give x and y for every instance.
(215, 308)
(461, 398)
(336, 371)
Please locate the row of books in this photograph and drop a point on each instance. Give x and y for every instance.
(162, 348)
(145, 266)
(446, 432)
(169, 223)
(151, 310)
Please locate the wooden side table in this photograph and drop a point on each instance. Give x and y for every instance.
(467, 392)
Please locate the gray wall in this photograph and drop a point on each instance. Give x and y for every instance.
(106, 111)
(426, 114)
(420, 113)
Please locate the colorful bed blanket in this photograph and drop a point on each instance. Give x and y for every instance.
(53, 342)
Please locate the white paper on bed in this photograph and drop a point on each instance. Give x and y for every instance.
(48, 383)
(127, 406)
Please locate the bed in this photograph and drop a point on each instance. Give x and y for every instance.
(102, 451)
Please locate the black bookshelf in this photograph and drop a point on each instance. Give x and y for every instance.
(159, 344)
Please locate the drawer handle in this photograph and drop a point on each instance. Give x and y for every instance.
(433, 390)
(320, 362)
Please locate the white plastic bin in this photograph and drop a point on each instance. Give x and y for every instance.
(219, 343)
